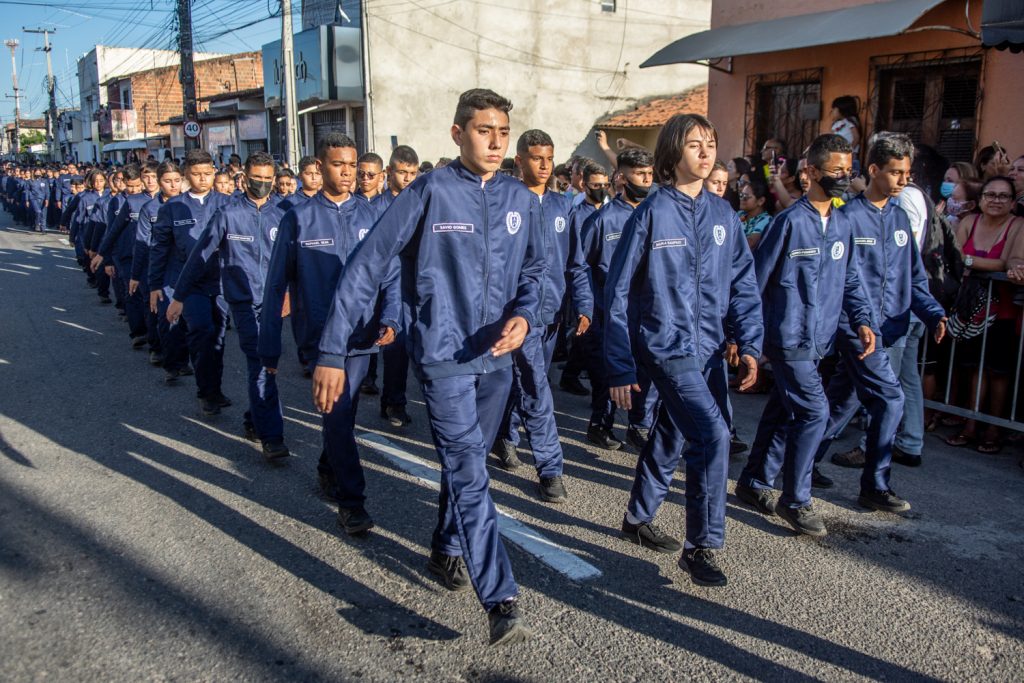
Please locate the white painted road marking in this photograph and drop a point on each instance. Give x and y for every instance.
(78, 327)
(530, 540)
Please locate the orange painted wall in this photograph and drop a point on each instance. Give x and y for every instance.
(846, 68)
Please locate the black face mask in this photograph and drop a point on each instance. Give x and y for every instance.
(637, 193)
(260, 188)
(596, 196)
(834, 187)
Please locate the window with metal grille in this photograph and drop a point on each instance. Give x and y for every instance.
(785, 106)
(933, 99)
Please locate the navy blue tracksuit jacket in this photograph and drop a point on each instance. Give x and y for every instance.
(461, 273)
(315, 241)
(891, 271)
(180, 222)
(667, 326)
(807, 278)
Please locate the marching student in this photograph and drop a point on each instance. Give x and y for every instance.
(593, 179)
(530, 403)
(598, 241)
(37, 200)
(896, 285)
(369, 182)
(223, 183)
(284, 184)
(403, 168)
(807, 272)
(472, 262)
(681, 267)
(166, 344)
(116, 250)
(180, 221)
(314, 242)
(309, 175)
(78, 222)
(240, 236)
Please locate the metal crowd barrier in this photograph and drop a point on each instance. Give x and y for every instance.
(974, 412)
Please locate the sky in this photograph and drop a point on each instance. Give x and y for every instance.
(219, 26)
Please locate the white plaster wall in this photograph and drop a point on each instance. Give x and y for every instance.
(563, 63)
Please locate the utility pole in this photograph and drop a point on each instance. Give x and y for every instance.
(51, 88)
(188, 71)
(291, 116)
(16, 146)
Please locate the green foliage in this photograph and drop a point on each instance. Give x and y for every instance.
(32, 138)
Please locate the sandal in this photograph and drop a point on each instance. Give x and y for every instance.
(989, 447)
(959, 440)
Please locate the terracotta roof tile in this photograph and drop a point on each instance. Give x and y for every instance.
(655, 112)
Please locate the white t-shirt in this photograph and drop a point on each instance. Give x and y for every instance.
(912, 201)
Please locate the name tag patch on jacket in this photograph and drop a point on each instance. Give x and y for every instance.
(134, 216)
(670, 244)
(240, 238)
(612, 236)
(864, 241)
(315, 244)
(453, 227)
(187, 221)
(810, 251)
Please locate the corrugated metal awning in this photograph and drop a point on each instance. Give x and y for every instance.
(863, 22)
(1002, 25)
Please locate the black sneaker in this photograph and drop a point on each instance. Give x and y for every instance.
(507, 626)
(396, 415)
(883, 501)
(505, 450)
(737, 445)
(222, 400)
(573, 386)
(819, 480)
(704, 571)
(249, 431)
(602, 437)
(647, 535)
(171, 377)
(804, 520)
(450, 570)
(761, 500)
(186, 371)
(209, 407)
(552, 490)
(275, 450)
(156, 358)
(853, 458)
(105, 300)
(140, 341)
(354, 521)
(369, 388)
(637, 437)
(901, 457)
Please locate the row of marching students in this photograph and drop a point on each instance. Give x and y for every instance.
(471, 266)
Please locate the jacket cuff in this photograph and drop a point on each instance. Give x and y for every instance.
(588, 312)
(751, 351)
(525, 314)
(622, 379)
(331, 360)
(392, 324)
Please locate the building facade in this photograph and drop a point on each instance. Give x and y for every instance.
(565, 66)
(96, 68)
(915, 66)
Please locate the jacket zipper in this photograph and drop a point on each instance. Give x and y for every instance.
(885, 268)
(700, 264)
(487, 253)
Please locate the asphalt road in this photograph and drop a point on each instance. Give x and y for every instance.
(140, 542)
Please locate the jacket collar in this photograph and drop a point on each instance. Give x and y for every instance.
(683, 199)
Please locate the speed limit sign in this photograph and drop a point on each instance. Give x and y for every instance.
(192, 129)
